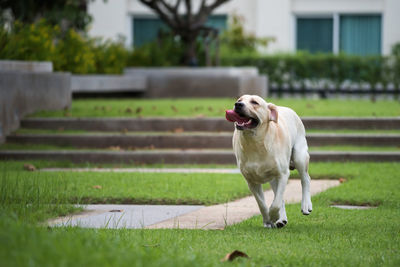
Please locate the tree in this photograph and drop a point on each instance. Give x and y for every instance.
(66, 13)
(188, 25)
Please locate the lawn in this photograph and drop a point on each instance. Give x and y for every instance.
(215, 107)
(328, 237)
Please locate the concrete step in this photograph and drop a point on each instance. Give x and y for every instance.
(180, 156)
(196, 124)
(184, 141)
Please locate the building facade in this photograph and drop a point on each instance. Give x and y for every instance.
(361, 27)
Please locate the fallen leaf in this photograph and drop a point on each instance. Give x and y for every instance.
(342, 180)
(128, 110)
(174, 108)
(97, 187)
(210, 109)
(154, 107)
(124, 131)
(61, 129)
(178, 130)
(114, 148)
(138, 110)
(151, 147)
(310, 105)
(67, 114)
(29, 167)
(200, 116)
(233, 255)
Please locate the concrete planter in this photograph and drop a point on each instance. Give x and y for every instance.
(26, 87)
(201, 82)
(108, 83)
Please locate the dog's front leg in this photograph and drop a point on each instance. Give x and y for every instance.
(258, 193)
(279, 185)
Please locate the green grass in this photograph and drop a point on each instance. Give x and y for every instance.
(215, 107)
(132, 188)
(328, 237)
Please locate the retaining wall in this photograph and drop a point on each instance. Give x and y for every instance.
(108, 83)
(201, 82)
(24, 92)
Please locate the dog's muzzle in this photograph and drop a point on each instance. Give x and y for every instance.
(242, 122)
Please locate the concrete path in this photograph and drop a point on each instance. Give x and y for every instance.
(122, 216)
(222, 215)
(182, 217)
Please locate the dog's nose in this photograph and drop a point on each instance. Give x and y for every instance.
(238, 105)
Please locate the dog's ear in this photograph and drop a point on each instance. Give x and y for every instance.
(273, 113)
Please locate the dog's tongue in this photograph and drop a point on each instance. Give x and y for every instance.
(232, 116)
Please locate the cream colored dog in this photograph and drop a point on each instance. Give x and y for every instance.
(268, 141)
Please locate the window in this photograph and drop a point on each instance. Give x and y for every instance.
(351, 34)
(146, 29)
(360, 35)
(314, 34)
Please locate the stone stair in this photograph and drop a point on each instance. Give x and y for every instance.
(184, 140)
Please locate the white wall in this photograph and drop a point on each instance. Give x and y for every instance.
(265, 18)
(391, 25)
(109, 18)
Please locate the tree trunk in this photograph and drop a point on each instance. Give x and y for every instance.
(189, 57)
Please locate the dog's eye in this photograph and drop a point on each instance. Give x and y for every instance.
(253, 102)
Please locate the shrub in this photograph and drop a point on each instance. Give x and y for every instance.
(29, 42)
(74, 54)
(70, 51)
(300, 68)
(110, 57)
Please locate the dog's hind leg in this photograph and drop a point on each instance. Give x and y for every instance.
(282, 221)
(258, 193)
(301, 160)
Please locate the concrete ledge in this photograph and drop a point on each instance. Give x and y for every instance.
(31, 66)
(196, 124)
(22, 93)
(188, 141)
(201, 82)
(182, 156)
(107, 83)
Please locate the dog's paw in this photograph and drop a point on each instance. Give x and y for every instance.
(269, 225)
(306, 207)
(281, 223)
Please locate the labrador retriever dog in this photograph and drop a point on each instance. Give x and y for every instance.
(268, 141)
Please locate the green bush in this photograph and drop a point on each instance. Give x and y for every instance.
(74, 54)
(70, 51)
(164, 52)
(110, 57)
(333, 69)
(29, 42)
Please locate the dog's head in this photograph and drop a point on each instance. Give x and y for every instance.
(251, 111)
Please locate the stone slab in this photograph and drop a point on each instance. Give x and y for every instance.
(197, 124)
(351, 207)
(107, 83)
(21, 65)
(222, 215)
(192, 156)
(22, 93)
(122, 216)
(189, 141)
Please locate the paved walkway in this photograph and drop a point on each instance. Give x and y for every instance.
(183, 217)
(222, 215)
